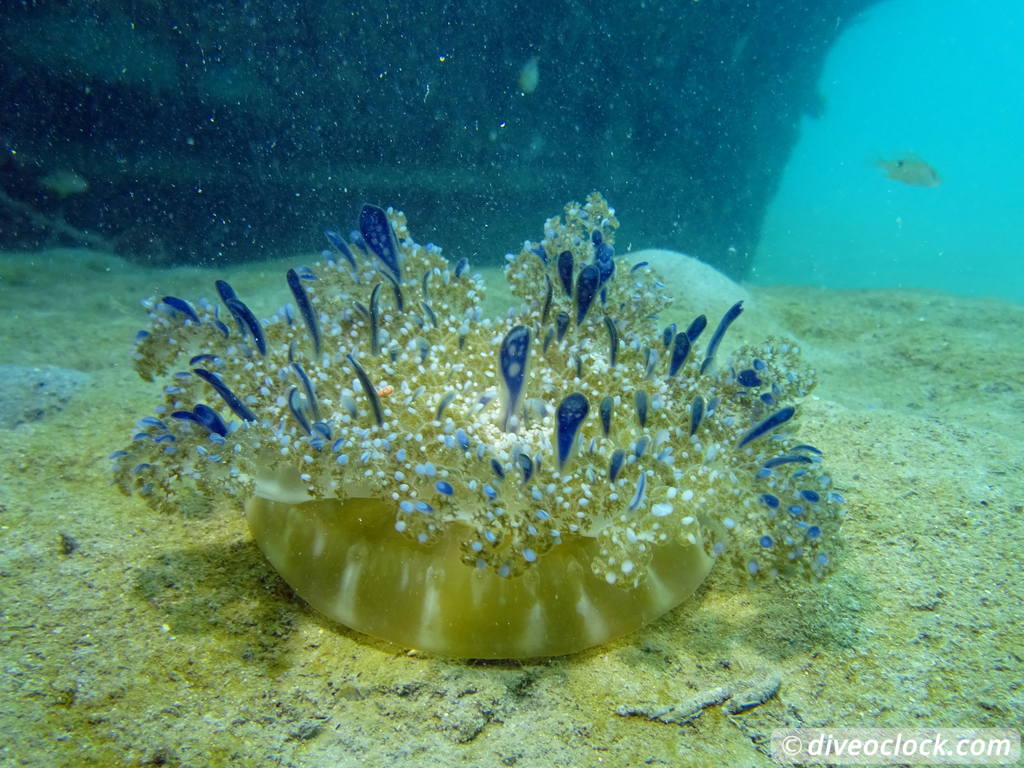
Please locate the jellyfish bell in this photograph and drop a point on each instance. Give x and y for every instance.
(476, 487)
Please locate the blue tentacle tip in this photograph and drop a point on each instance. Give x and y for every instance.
(568, 417)
(379, 238)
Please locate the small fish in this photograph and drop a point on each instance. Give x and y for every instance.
(529, 75)
(64, 183)
(910, 169)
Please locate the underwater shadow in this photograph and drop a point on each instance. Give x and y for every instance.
(231, 593)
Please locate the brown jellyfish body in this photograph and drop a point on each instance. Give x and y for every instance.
(474, 487)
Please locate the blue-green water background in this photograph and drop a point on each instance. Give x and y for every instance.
(943, 79)
(220, 133)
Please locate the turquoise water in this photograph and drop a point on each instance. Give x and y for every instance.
(940, 79)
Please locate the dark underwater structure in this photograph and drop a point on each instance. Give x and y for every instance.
(215, 132)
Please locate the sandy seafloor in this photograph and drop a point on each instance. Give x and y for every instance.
(166, 639)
